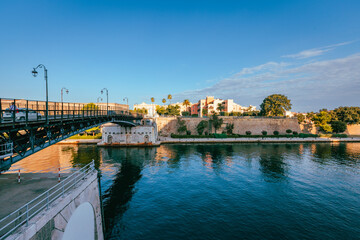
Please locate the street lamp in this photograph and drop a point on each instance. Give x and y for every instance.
(67, 92)
(127, 102)
(35, 73)
(99, 98)
(107, 99)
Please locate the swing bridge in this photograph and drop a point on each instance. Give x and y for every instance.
(28, 126)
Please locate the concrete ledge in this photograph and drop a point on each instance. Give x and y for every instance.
(256, 140)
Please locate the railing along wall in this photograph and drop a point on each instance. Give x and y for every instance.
(24, 214)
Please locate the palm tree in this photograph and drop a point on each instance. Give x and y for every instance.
(220, 107)
(152, 100)
(186, 103)
(164, 100)
(169, 97)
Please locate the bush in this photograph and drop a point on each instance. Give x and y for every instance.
(194, 115)
(295, 133)
(276, 133)
(307, 135)
(288, 131)
(339, 135)
(185, 113)
(248, 133)
(188, 132)
(338, 126)
(206, 133)
(264, 133)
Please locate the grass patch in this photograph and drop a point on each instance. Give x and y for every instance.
(97, 136)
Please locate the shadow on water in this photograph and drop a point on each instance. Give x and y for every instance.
(272, 162)
(116, 199)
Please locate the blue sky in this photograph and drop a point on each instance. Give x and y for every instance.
(243, 50)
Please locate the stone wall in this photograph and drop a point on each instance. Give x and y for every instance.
(353, 129)
(168, 125)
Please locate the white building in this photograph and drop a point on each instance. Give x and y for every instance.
(114, 134)
(151, 109)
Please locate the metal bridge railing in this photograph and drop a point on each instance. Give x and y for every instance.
(6, 149)
(24, 214)
(21, 110)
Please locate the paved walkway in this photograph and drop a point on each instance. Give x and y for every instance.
(14, 195)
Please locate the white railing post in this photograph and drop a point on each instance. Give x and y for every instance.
(27, 214)
(47, 200)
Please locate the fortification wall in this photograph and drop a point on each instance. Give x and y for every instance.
(168, 125)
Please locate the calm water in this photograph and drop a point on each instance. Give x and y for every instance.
(224, 191)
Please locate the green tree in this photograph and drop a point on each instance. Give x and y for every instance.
(163, 100)
(322, 120)
(300, 118)
(169, 97)
(220, 107)
(338, 126)
(229, 128)
(160, 110)
(186, 103)
(152, 100)
(173, 110)
(185, 113)
(204, 112)
(275, 105)
(181, 126)
(216, 121)
(201, 126)
(350, 115)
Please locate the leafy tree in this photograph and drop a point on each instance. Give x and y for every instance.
(220, 107)
(163, 100)
(160, 110)
(264, 133)
(169, 97)
(90, 106)
(186, 103)
(152, 100)
(288, 131)
(205, 112)
(173, 110)
(276, 133)
(229, 128)
(185, 113)
(275, 105)
(350, 115)
(248, 133)
(216, 121)
(338, 126)
(300, 118)
(181, 126)
(141, 110)
(322, 120)
(201, 126)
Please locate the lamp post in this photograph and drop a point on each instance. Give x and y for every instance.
(99, 98)
(127, 102)
(67, 92)
(107, 99)
(34, 73)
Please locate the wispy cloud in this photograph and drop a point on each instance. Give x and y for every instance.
(310, 86)
(315, 51)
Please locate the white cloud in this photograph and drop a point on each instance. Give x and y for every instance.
(315, 51)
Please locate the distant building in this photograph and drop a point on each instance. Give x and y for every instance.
(115, 135)
(151, 109)
(211, 104)
(114, 107)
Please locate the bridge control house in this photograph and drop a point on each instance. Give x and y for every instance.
(122, 134)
